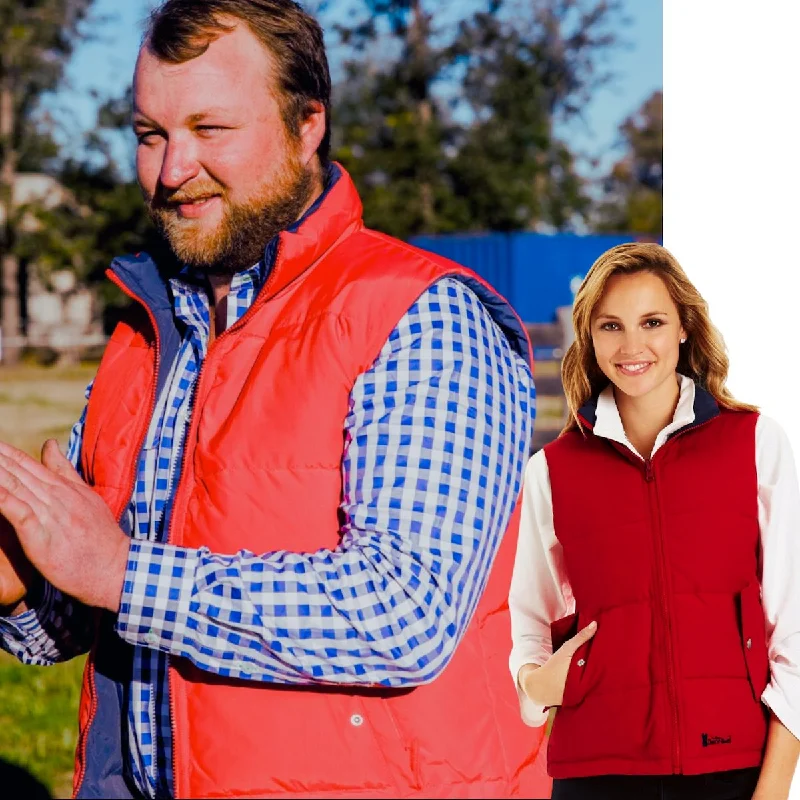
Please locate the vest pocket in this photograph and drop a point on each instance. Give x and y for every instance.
(754, 638)
(560, 631)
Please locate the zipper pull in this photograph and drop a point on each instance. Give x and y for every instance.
(648, 470)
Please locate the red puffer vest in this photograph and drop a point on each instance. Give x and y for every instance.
(664, 555)
(334, 294)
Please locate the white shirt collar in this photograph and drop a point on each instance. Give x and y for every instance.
(608, 423)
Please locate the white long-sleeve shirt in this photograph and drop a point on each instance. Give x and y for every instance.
(540, 592)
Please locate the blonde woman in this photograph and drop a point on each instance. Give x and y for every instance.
(659, 556)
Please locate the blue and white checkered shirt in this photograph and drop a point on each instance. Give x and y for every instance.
(436, 440)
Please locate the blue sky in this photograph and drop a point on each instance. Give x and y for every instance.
(104, 67)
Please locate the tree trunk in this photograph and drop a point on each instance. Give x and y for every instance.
(418, 40)
(10, 320)
(426, 190)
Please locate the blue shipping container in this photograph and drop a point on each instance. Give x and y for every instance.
(532, 271)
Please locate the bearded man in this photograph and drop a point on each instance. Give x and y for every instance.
(285, 525)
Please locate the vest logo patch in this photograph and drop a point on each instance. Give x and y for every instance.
(709, 740)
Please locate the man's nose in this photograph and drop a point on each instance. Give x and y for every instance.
(180, 164)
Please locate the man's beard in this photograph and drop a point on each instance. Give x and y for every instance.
(245, 229)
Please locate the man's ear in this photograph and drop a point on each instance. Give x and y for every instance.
(312, 129)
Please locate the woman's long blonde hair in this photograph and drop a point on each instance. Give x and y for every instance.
(702, 357)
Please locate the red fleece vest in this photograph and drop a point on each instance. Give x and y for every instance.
(262, 471)
(664, 555)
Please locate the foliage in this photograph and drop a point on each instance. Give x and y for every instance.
(104, 218)
(37, 38)
(633, 190)
(446, 133)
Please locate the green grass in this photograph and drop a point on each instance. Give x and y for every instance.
(38, 720)
(39, 705)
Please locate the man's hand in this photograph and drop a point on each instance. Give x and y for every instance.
(544, 686)
(66, 530)
(16, 572)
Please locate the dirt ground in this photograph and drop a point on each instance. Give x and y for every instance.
(37, 403)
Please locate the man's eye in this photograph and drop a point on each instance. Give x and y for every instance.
(146, 137)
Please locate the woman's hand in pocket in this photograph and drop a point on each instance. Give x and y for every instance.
(544, 685)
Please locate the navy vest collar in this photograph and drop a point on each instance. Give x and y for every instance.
(705, 408)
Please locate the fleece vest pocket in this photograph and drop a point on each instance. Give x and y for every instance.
(754, 638)
(561, 631)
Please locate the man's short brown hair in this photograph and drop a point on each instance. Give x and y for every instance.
(180, 30)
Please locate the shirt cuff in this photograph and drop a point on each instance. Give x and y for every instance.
(156, 594)
(789, 717)
(27, 628)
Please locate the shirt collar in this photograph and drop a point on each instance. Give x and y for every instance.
(608, 423)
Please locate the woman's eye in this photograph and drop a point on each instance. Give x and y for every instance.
(609, 326)
(653, 323)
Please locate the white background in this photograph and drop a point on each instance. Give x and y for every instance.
(732, 186)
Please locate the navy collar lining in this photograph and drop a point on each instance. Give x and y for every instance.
(705, 408)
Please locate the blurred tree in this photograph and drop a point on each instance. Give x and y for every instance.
(36, 39)
(633, 190)
(526, 71)
(106, 216)
(446, 132)
(389, 130)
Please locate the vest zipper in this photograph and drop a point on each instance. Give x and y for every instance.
(153, 399)
(84, 741)
(130, 482)
(175, 472)
(661, 574)
(650, 479)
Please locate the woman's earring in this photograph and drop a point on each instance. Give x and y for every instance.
(683, 341)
